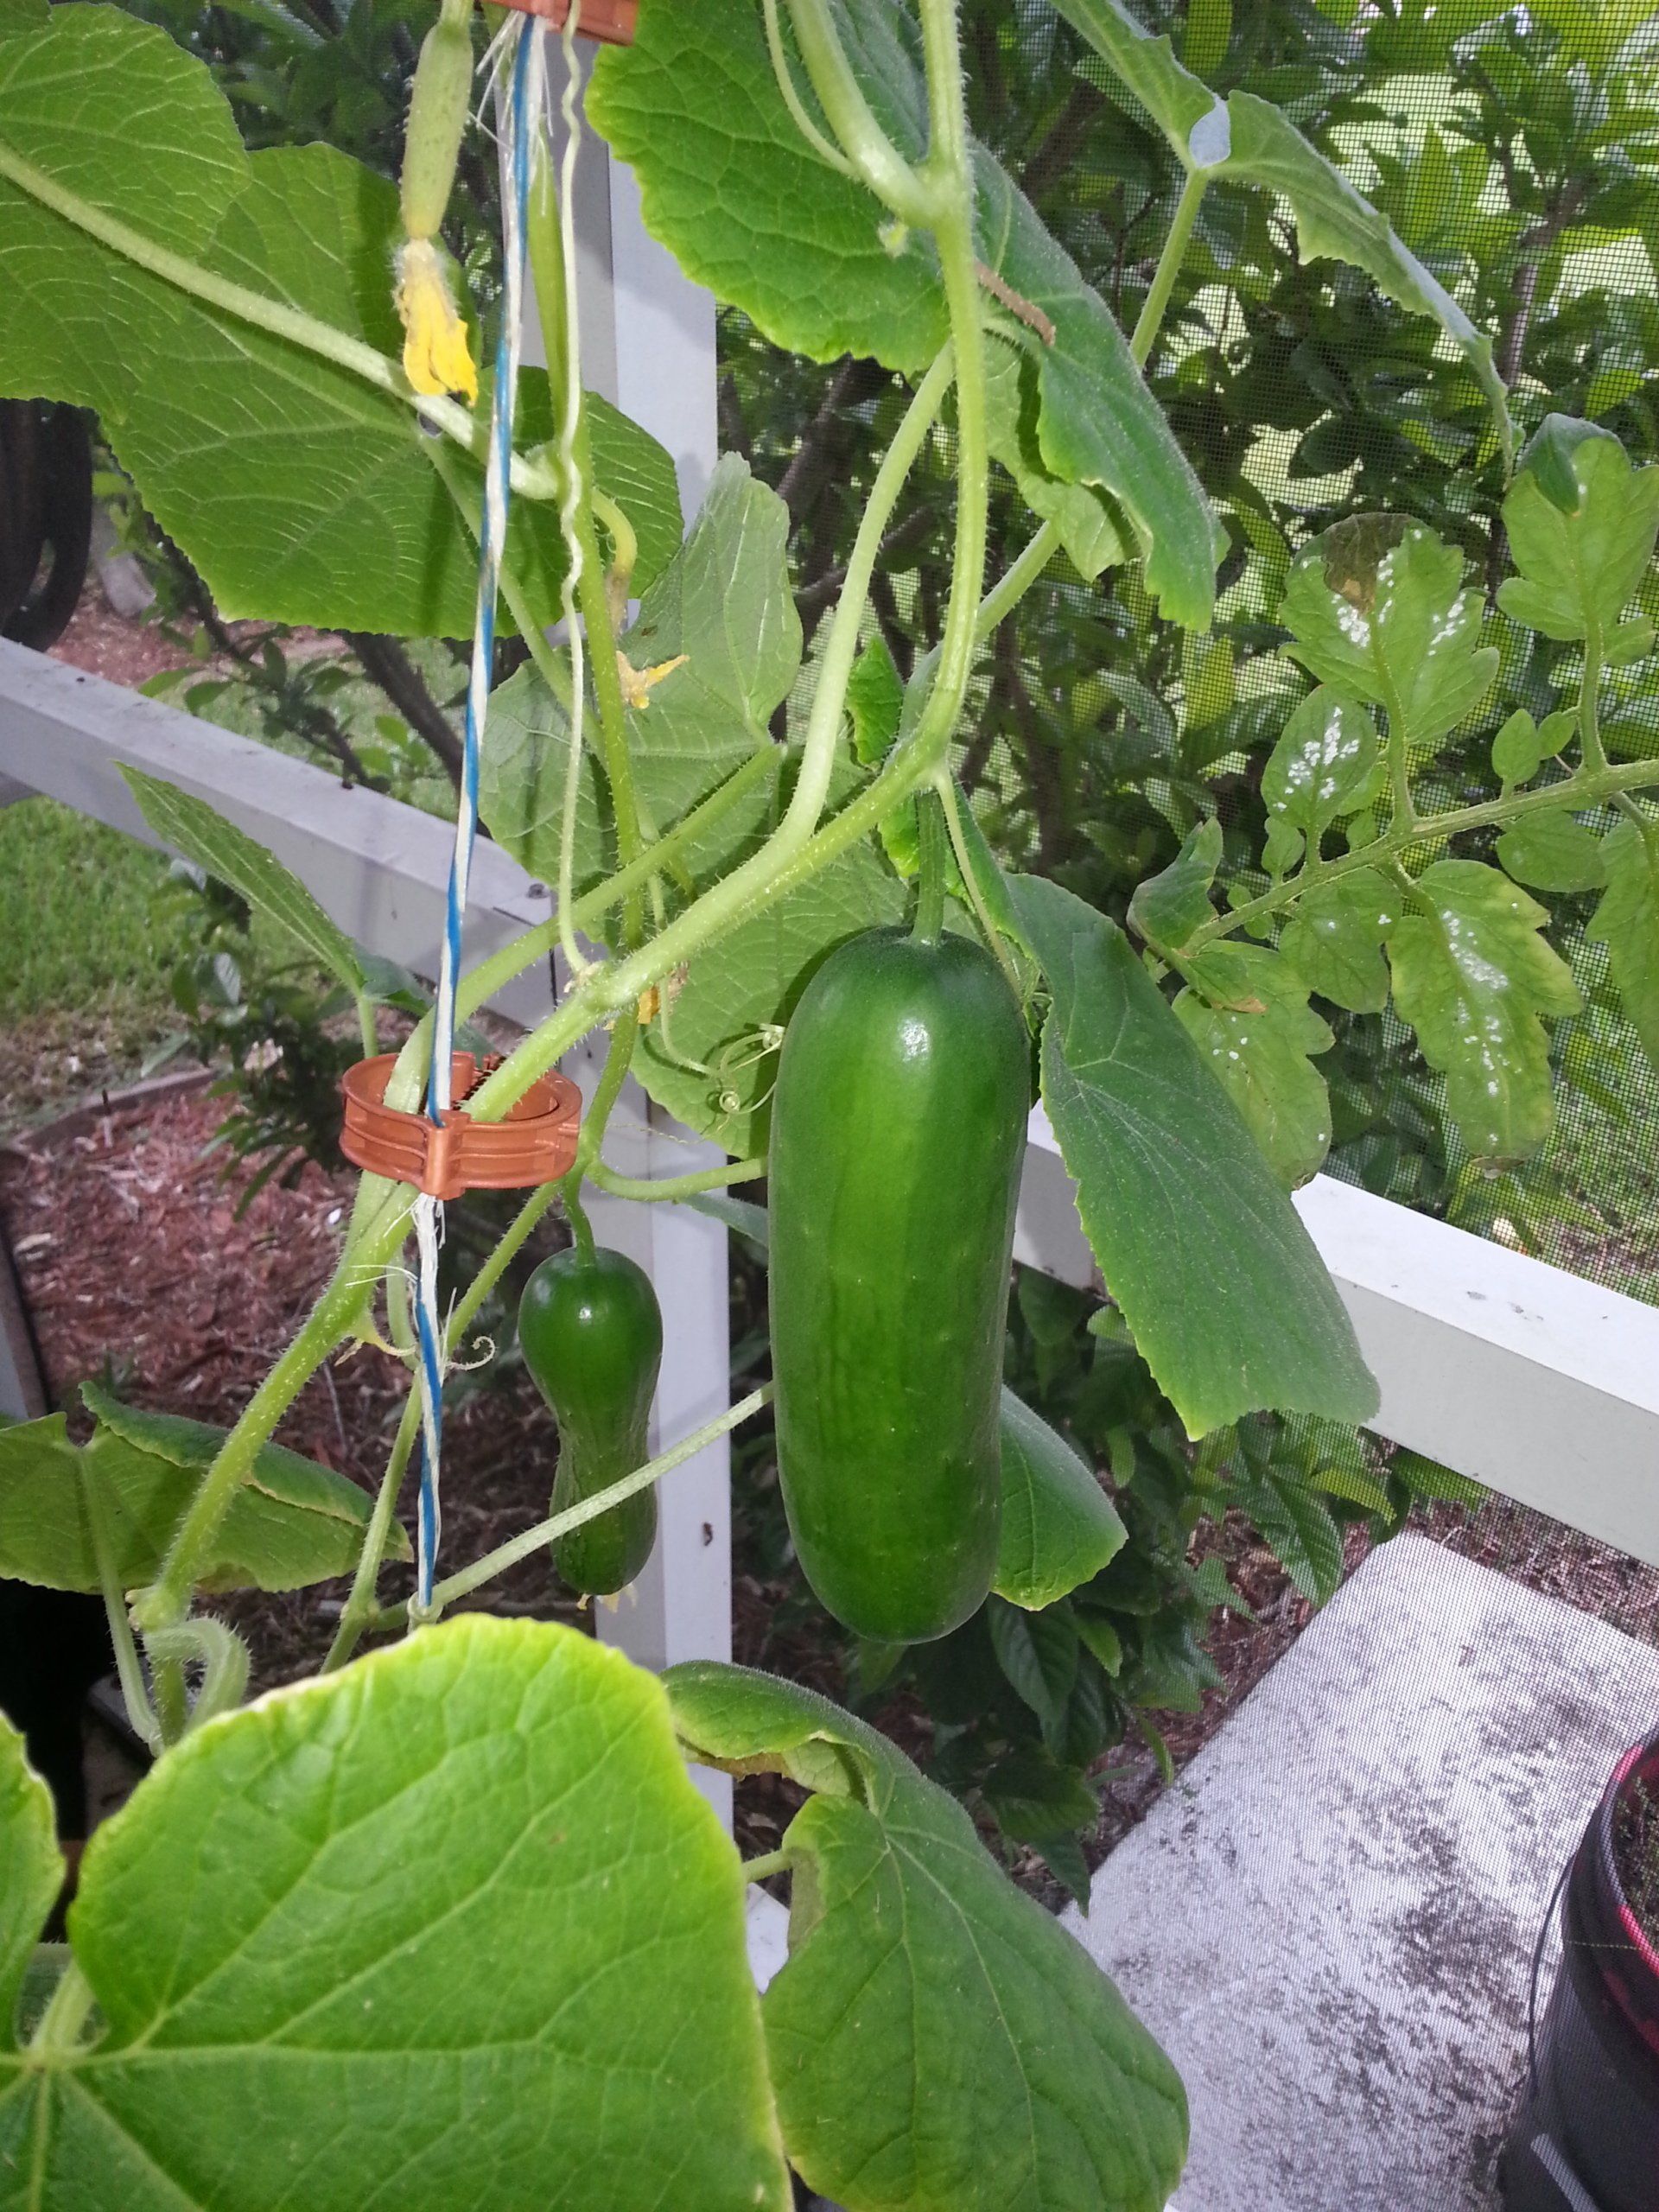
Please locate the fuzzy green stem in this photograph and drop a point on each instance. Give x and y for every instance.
(58, 2035)
(780, 69)
(953, 801)
(1595, 754)
(135, 1696)
(1588, 788)
(670, 1188)
(867, 146)
(548, 1532)
(531, 479)
(360, 1607)
(768, 1864)
(1156, 303)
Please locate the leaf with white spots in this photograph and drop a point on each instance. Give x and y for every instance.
(1473, 977)
(1246, 1009)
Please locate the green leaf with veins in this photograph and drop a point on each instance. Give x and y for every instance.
(292, 1523)
(1376, 610)
(1522, 745)
(1471, 976)
(301, 493)
(935, 2039)
(693, 729)
(1297, 1524)
(1581, 524)
(1038, 1653)
(1181, 106)
(1552, 851)
(31, 1874)
(1247, 141)
(1058, 1526)
(1334, 939)
(190, 826)
(732, 188)
(1325, 766)
(264, 1924)
(1228, 1300)
(1246, 1009)
(1627, 923)
(1033, 1796)
(1083, 517)
(1171, 906)
(1334, 221)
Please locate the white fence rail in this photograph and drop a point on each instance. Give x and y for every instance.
(1526, 1378)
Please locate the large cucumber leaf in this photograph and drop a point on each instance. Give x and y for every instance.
(936, 2039)
(452, 1927)
(1228, 1300)
(292, 1523)
(31, 1873)
(1058, 1526)
(733, 190)
(300, 491)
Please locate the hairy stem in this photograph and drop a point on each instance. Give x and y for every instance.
(1156, 303)
(366, 1254)
(360, 1607)
(867, 146)
(672, 1188)
(1589, 787)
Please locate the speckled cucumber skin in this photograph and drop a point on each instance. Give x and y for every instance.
(898, 1131)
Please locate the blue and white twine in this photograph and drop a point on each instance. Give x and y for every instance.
(518, 109)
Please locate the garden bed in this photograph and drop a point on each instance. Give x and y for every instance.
(216, 1297)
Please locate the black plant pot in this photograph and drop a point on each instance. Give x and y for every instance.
(1587, 2137)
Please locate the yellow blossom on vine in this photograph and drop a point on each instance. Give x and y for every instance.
(639, 683)
(437, 356)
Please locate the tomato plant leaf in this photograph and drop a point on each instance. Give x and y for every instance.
(300, 491)
(809, 254)
(1246, 1009)
(1334, 939)
(292, 1523)
(1582, 523)
(1472, 976)
(31, 1872)
(1553, 851)
(1171, 906)
(1058, 1526)
(1088, 531)
(1376, 610)
(1228, 1300)
(935, 2039)
(190, 826)
(1324, 767)
(1627, 923)
(264, 1925)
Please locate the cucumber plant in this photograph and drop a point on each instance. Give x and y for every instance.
(451, 1923)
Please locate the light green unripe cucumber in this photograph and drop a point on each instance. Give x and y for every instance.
(438, 108)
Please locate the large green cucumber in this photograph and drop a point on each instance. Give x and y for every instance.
(592, 1335)
(898, 1131)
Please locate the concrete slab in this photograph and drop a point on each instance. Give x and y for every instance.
(1329, 1921)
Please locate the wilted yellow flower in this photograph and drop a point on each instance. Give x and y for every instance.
(639, 683)
(436, 357)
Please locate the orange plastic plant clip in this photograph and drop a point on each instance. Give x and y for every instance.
(535, 1143)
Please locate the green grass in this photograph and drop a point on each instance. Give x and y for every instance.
(83, 929)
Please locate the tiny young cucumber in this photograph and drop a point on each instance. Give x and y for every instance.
(438, 108)
(592, 1336)
(897, 1132)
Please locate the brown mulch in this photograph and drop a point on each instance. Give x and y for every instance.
(138, 1273)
